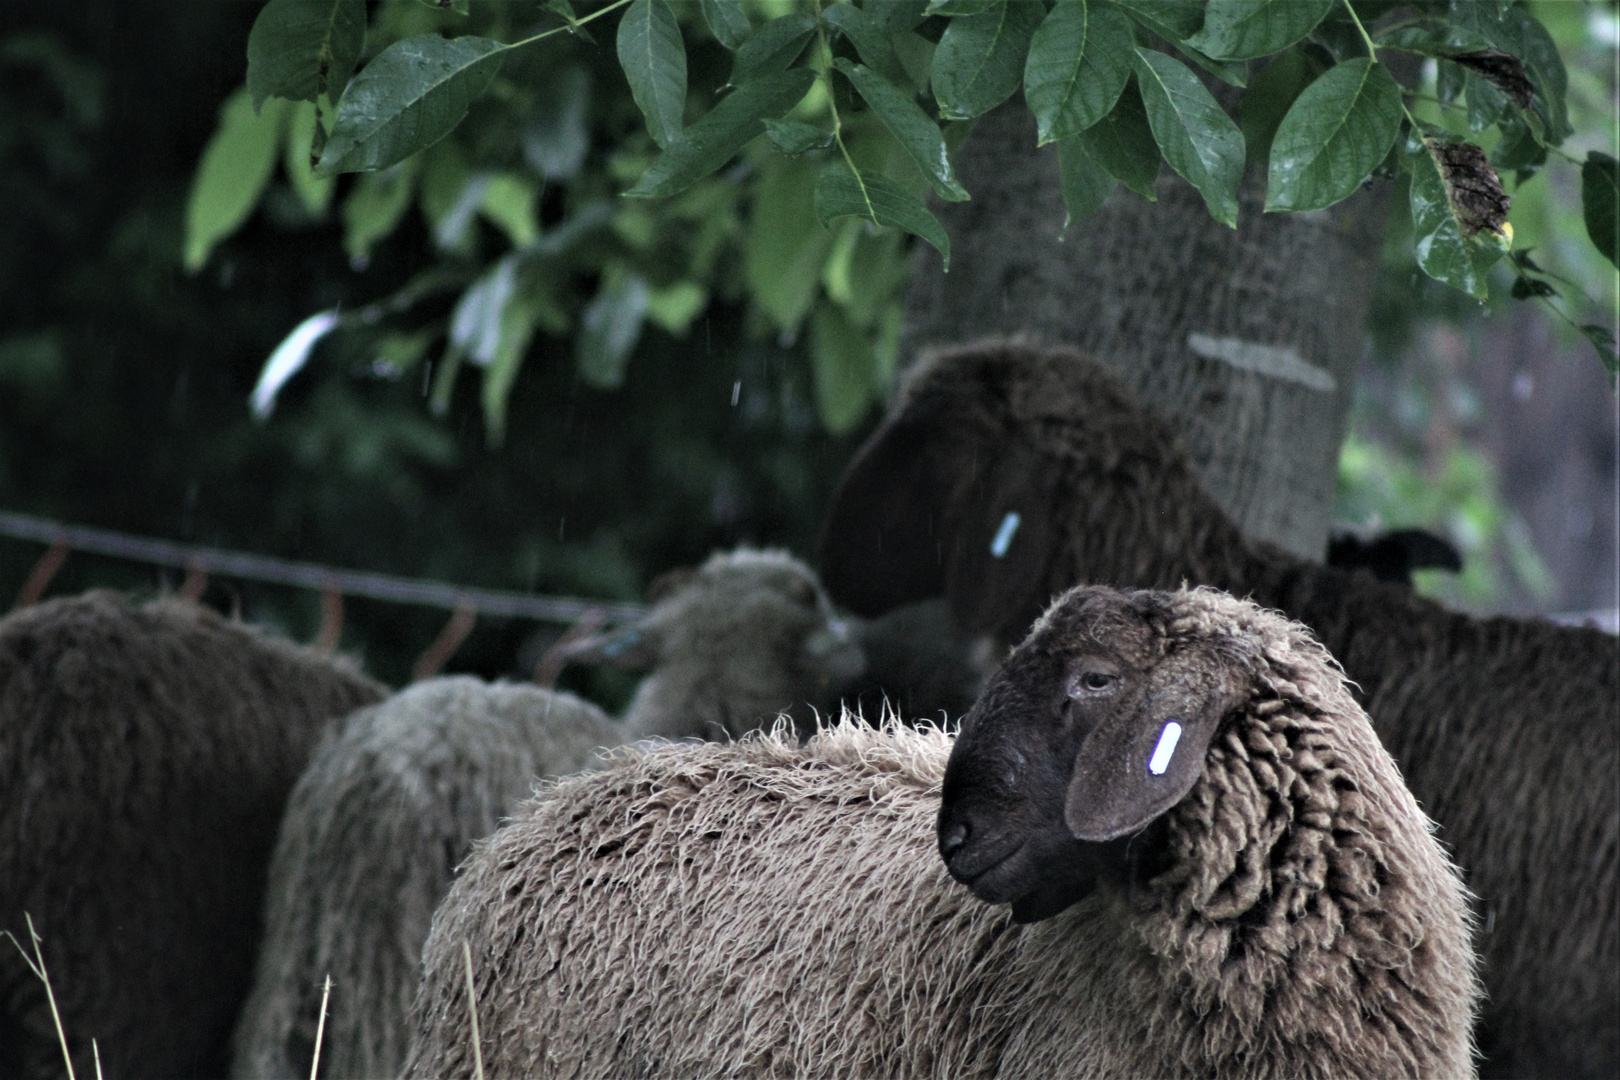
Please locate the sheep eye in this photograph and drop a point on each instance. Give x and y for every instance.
(1096, 680)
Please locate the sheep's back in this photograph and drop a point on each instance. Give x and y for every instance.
(145, 756)
(373, 833)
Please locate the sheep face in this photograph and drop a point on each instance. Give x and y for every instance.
(1097, 724)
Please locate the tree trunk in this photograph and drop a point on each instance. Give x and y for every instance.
(1246, 340)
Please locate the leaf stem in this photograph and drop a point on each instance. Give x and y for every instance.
(1372, 54)
(570, 26)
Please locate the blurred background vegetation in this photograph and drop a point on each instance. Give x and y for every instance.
(681, 385)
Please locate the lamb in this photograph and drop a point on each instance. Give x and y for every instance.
(918, 665)
(378, 823)
(1008, 473)
(1270, 903)
(145, 756)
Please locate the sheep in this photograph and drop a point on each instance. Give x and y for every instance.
(145, 756)
(369, 844)
(755, 636)
(1007, 473)
(918, 666)
(379, 821)
(1272, 905)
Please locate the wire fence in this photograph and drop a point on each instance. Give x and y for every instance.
(326, 579)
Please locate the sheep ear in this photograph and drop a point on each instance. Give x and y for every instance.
(881, 545)
(998, 568)
(1132, 769)
(634, 648)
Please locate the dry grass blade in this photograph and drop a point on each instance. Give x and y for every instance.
(95, 1049)
(37, 966)
(472, 1010)
(320, 1028)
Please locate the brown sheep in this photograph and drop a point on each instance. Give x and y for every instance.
(766, 909)
(1507, 730)
(145, 757)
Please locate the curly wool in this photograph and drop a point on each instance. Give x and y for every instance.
(763, 908)
(145, 757)
(373, 833)
(1507, 730)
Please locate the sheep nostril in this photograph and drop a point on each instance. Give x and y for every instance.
(952, 838)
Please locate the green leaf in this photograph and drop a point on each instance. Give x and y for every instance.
(1198, 139)
(772, 47)
(492, 325)
(1545, 66)
(727, 22)
(911, 127)
(234, 169)
(1245, 29)
(302, 49)
(374, 207)
(871, 41)
(895, 16)
(1600, 202)
(959, 8)
(1231, 72)
(873, 196)
(1336, 134)
(1122, 142)
(1443, 252)
(654, 62)
(460, 7)
(609, 330)
(315, 192)
(1079, 62)
(795, 136)
(980, 58)
(710, 143)
(509, 203)
(786, 244)
(1177, 20)
(842, 364)
(675, 306)
(1085, 183)
(1602, 339)
(408, 98)
(1274, 91)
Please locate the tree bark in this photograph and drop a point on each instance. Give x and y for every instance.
(1246, 339)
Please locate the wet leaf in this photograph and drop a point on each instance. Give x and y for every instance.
(1176, 20)
(794, 137)
(1245, 29)
(1444, 249)
(1122, 142)
(1334, 136)
(654, 61)
(1197, 138)
(980, 58)
(871, 41)
(315, 192)
(725, 129)
(1600, 202)
(303, 49)
(917, 134)
(1085, 183)
(772, 47)
(727, 22)
(408, 98)
(1078, 64)
(841, 192)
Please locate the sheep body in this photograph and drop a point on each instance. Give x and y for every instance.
(369, 844)
(1507, 730)
(767, 909)
(145, 756)
(385, 812)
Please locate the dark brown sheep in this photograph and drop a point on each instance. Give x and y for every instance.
(145, 757)
(765, 909)
(1507, 730)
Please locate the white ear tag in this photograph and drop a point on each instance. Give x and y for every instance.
(1168, 738)
(1004, 534)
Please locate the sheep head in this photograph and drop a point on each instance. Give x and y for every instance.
(1008, 473)
(1095, 727)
